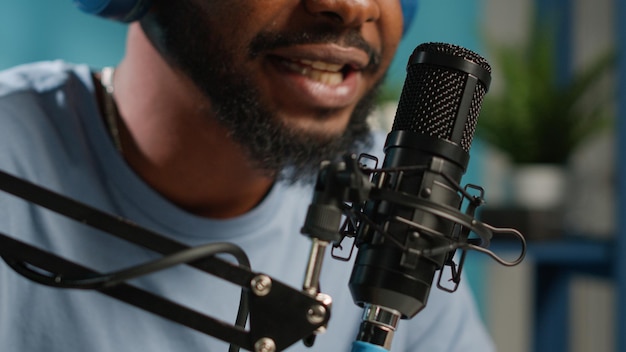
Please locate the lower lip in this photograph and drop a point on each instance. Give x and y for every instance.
(301, 89)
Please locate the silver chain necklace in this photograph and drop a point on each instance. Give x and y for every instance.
(111, 113)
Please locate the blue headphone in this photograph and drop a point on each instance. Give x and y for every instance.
(409, 12)
(119, 10)
(131, 10)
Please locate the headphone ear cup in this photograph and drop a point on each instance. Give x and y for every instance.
(119, 10)
(409, 11)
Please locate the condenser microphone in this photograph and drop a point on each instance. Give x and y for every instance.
(408, 235)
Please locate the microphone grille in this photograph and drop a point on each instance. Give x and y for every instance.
(432, 101)
(455, 50)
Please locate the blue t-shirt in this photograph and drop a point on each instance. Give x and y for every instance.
(52, 134)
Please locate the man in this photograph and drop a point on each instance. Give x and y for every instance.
(201, 133)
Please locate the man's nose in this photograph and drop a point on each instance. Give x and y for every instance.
(349, 13)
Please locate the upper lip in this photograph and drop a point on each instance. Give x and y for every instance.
(351, 57)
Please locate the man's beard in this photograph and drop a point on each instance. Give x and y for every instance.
(182, 35)
(275, 148)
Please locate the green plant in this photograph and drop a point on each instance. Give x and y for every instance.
(535, 118)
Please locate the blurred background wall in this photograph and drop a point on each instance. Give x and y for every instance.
(588, 29)
(32, 30)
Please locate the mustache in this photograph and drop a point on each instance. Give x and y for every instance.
(267, 40)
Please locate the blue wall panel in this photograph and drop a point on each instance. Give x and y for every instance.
(32, 30)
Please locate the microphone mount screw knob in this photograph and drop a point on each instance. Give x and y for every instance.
(265, 344)
(261, 285)
(316, 314)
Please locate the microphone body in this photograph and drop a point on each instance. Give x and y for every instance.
(426, 155)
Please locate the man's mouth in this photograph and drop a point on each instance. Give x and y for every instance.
(317, 75)
(318, 71)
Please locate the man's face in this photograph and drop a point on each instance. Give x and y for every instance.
(292, 80)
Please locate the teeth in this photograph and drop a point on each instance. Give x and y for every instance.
(318, 71)
(326, 77)
(324, 66)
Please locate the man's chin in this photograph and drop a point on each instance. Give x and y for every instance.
(322, 124)
(296, 146)
(303, 160)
